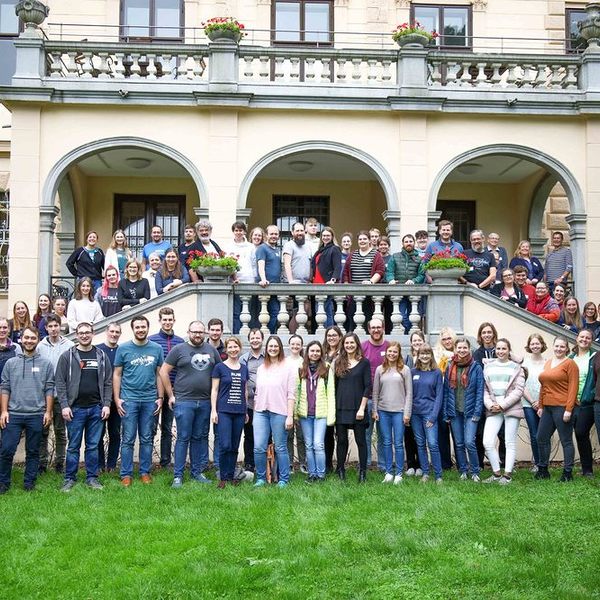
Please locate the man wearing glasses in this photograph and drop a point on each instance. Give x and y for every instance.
(84, 390)
(189, 397)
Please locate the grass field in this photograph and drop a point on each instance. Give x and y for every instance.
(459, 540)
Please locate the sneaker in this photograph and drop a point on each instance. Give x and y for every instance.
(146, 479)
(463, 477)
(425, 478)
(222, 484)
(389, 478)
(201, 478)
(566, 476)
(439, 480)
(505, 480)
(177, 482)
(282, 484)
(542, 473)
(475, 478)
(410, 473)
(68, 485)
(303, 469)
(260, 483)
(397, 479)
(3, 488)
(126, 481)
(493, 479)
(249, 476)
(94, 483)
(533, 469)
(419, 473)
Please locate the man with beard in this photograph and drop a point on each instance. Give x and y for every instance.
(156, 245)
(189, 243)
(482, 264)
(189, 398)
(445, 240)
(296, 266)
(268, 263)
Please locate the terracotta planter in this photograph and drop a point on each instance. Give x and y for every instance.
(224, 35)
(214, 274)
(413, 40)
(445, 276)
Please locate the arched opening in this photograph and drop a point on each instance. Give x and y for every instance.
(518, 192)
(339, 185)
(119, 183)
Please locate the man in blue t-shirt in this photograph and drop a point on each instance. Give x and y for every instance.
(157, 245)
(268, 262)
(445, 241)
(138, 394)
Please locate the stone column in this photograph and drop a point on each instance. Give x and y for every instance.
(393, 223)
(445, 309)
(412, 70)
(433, 216)
(201, 212)
(223, 65)
(48, 215)
(538, 247)
(577, 233)
(243, 214)
(66, 246)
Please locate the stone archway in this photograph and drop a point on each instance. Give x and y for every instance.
(556, 172)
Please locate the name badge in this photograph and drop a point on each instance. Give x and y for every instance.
(416, 377)
(35, 369)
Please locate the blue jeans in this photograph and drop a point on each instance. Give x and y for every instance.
(313, 430)
(391, 428)
(138, 419)
(230, 427)
(532, 421)
(369, 433)
(88, 421)
(11, 434)
(193, 423)
(427, 437)
(464, 431)
(108, 459)
(265, 423)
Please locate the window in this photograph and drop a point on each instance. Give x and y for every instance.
(302, 21)
(462, 215)
(9, 22)
(574, 42)
(137, 214)
(152, 19)
(287, 210)
(4, 238)
(452, 23)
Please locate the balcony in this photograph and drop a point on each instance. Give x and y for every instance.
(499, 77)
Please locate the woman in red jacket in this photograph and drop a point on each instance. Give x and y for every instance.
(543, 304)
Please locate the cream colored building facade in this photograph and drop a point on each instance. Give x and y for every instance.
(507, 127)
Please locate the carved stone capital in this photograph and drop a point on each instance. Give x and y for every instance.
(48, 216)
(480, 5)
(403, 3)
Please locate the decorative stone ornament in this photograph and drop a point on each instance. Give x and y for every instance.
(590, 27)
(441, 276)
(221, 35)
(413, 40)
(31, 12)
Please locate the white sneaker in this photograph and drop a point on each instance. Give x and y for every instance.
(504, 480)
(418, 473)
(533, 469)
(410, 472)
(425, 479)
(492, 479)
(476, 478)
(439, 480)
(397, 479)
(389, 478)
(463, 476)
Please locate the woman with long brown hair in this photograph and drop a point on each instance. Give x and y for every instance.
(172, 273)
(20, 320)
(331, 349)
(83, 308)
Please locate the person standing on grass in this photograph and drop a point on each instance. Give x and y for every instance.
(273, 411)
(228, 399)
(315, 407)
(558, 395)
(331, 349)
(252, 360)
(428, 391)
(504, 385)
(84, 389)
(583, 414)
(295, 359)
(411, 453)
(352, 391)
(51, 348)
(463, 406)
(138, 393)
(26, 397)
(215, 339)
(392, 405)
(108, 462)
(167, 340)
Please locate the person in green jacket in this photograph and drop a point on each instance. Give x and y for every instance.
(315, 407)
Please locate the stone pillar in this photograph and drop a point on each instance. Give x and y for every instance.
(243, 214)
(201, 212)
(30, 64)
(223, 65)
(412, 70)
(445, 309)
(393, 223)
(66, 246)
(538, 247)
(433, 216)
(577, 233)
(48, 215)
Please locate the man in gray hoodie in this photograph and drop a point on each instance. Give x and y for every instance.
(26, 397)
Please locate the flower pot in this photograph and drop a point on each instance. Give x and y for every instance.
(445, 276)
(224, 35)
(590, 27)
(214, 274)
(413, 40)
(31, 12)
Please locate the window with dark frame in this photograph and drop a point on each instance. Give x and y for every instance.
(152, 20)
(136, 214)
(9, 22)
(306, 22)
(287, 210)
(453, 24)
(574, 41)
(462, 213)
(4, 240)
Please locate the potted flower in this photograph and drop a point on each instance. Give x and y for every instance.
(446, 266)
(223, 29)
(212, 266)
(413, 34)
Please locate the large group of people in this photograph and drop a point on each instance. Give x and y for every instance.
(423, 400)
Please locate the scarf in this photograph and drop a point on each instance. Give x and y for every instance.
(453, 373)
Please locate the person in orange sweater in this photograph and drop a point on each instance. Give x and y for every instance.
(559, 383)
(543, 304)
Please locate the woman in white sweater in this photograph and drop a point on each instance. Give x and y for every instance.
(83, 308)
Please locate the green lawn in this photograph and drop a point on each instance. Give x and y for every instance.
(460, 540)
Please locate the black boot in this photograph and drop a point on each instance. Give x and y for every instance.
(542, 473)
(566, 476)
(362, 476)
(341, 473)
